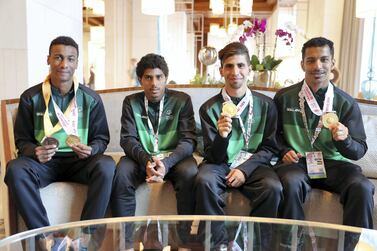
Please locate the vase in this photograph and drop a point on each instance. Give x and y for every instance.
(369, 88)
(264, 78)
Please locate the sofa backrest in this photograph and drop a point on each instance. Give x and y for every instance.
(113, 100)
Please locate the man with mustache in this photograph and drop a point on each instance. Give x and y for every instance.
(158, 137)
(320, 129)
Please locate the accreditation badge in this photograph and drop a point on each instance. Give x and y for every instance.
(241, 157)
(315, 165)
(162, 156)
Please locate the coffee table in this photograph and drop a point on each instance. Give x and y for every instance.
(165, 233)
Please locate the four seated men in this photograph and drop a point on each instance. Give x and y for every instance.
(316, 127)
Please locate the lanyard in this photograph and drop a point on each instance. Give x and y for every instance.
(67, 120)
(154, 133)
(306, 94)
(247, 100)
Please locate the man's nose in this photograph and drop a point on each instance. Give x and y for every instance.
(64, 63)
(154, 81)
(235, 70)
(318, 64)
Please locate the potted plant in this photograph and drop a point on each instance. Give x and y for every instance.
(264, 66)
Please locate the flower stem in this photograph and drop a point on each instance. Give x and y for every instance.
(276, 41)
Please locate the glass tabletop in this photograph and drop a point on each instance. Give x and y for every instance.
(192, 233)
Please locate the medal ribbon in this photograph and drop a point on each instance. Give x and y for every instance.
(68, 121)
(155, 134)
(306, 94)
(247, 100)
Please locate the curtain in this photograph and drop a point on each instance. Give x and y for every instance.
(350, 49)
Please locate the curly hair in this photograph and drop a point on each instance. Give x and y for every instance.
(151, 61)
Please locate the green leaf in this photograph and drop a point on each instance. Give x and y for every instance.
(259, 67)
(254, 62)
(275, 64)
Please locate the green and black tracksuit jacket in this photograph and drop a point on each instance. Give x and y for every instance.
(262, 143)
(292, 133)
(92, 124)
(177, 131)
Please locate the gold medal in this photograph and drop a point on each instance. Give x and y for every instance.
(329, 118)
(72, 140)
(229, 108)
(50, 141)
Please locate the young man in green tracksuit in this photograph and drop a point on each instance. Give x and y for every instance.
(61, 134)
(320, 129)
(239, 146)
(158, 137)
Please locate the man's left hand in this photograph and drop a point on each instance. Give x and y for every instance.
(158, 172)
(339, 131)
(82, 150)
(235, 178)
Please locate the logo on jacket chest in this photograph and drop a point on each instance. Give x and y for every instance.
(293, 109)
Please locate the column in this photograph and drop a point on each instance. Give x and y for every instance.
(118, 28)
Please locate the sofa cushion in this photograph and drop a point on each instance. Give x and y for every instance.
(368, 162)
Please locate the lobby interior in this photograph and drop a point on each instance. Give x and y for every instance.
(110, 33)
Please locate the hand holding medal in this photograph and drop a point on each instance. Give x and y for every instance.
(329, 119)
(48, 141)
(338, 130)
(83, 151)
(230, 109)
(47, 150)
(72, 140)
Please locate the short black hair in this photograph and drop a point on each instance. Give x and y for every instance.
(318, 42)
(151, 61)
(235, 48)
(64, 40)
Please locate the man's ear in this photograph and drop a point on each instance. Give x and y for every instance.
(333, 63)
(48, 59)
(302, 65)
(221, 71)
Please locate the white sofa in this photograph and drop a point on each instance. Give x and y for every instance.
(159, 199)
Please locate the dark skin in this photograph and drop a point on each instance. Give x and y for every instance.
(317, 65)
(63, 61)
(153, 82)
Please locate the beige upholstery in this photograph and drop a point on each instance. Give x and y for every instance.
(64, 200)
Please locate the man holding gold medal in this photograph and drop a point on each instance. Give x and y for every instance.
(239, 129)
(61, 133)
(320, 129)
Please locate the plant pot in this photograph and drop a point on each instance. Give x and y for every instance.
(264, 78)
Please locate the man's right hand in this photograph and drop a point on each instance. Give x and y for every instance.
(153, 174)
(291, 157)
(45, 153)
(150, 169)
(224, 125)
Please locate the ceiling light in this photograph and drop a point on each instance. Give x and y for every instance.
(157, 7)
(246, 7)
(97, 6)
(217, 7)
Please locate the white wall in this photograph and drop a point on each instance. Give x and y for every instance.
(28, 26)
(47, 19)
(13, 48)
